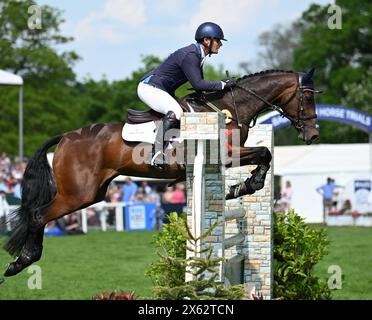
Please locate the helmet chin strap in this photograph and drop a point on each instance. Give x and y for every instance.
(209, 48)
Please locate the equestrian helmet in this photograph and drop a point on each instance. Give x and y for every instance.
(209, 30)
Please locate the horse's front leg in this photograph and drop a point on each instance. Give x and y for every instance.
(260, 156)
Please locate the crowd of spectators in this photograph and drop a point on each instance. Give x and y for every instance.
(129, 192)
(11, 174)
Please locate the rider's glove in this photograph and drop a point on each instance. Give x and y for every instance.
(229, 83)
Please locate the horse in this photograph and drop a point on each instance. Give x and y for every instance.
(86, 160)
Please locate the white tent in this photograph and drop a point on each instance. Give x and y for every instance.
(9, 79)
(307, 168)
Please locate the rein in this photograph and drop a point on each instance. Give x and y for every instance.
(297, 122)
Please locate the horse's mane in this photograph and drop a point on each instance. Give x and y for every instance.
(241, 82)
(261, 73)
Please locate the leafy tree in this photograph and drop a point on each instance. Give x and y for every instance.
(341, 56)
(279, 44)
(104, 101)
(48, 76)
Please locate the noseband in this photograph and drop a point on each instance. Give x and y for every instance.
(301, 117)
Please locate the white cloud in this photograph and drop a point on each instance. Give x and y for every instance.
(231, 15)
(128, 12)
(114, 23)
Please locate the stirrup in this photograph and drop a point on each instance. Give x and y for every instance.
(159, 166)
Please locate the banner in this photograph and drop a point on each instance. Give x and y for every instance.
(140, 216)
(362, 196)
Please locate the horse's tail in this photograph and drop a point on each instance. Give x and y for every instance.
(38, 190)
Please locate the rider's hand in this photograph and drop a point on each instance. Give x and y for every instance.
(229, 83)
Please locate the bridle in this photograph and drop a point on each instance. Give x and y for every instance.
(301, 117)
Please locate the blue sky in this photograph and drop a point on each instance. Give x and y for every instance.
(111, 35)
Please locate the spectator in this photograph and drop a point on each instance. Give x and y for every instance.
(4, 162)
(115, 194)
(153, 197)
(178, 196)
(129, 190)
(346, 208)
(145, 187)
(286, 196)
(2, 184)
(168, 195)
(69, 224)
(140, 196)
(327, 191)
(4, 212)
(17, 188)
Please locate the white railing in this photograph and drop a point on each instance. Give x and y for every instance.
(101, 206)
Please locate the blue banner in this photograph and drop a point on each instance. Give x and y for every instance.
(140, 216)
(343, 114)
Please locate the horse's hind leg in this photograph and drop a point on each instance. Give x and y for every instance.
(60, 206)
(33, 247)
(251, 156)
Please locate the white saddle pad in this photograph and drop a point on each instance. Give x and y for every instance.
(142, 132)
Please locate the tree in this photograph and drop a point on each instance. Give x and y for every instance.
(341, 57)
(48, 76)
(104, 101)
(279, 44)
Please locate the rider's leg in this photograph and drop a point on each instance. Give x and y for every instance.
(160, 101)
(168, 122)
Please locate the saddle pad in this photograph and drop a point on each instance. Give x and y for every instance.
(143, 132)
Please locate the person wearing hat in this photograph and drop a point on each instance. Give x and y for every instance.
(157, 88)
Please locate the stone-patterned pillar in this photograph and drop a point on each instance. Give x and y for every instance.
(257, 225)
(202, 130)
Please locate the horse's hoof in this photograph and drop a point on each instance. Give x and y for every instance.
(13, 269)
(256, 185)
(239, 190)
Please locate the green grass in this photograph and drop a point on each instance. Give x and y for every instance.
(351, 249)
(78, 267)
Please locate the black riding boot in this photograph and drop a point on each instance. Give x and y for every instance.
(158, 160)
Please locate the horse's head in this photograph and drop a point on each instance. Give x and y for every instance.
(299, 107)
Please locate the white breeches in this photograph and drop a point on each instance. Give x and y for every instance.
(158, 100)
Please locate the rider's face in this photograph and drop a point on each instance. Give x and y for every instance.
(216, 44)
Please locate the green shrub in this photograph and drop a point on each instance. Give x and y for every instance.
(297, 249)
(168, 273)
(169, 270)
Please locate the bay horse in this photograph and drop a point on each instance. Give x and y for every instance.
(88, 159)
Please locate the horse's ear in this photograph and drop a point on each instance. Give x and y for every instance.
(307, 76)
(311, 72)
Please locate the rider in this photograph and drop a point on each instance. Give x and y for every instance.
(157, 88)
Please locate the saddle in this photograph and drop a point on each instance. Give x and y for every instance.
(142, 126)
(137, 117)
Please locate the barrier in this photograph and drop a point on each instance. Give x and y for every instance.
(244, 235)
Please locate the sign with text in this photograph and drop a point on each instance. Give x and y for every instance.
(140, 216)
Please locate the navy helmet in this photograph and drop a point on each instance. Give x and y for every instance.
(209, 30)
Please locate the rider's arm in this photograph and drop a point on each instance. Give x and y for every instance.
(191, 67)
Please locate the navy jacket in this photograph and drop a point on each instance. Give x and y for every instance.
(181, 66)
